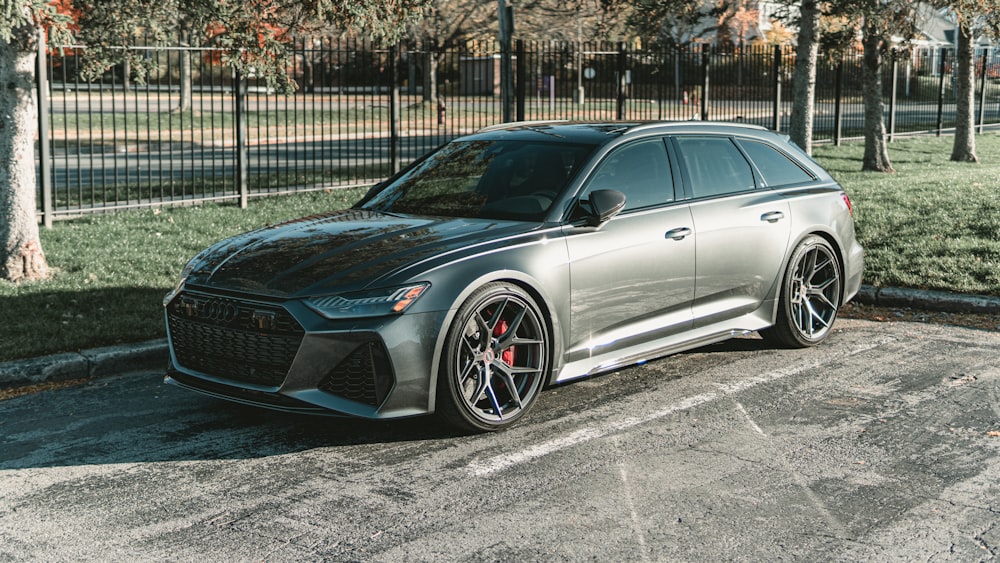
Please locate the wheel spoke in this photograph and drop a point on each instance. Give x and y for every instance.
(495, 317)
(506, 339)
(814, 315)
(467, 372)
(823, 286)
(800, 313)
(817, 266)
(469, 348)
(508, 380)
(482, 385)
(518, 370)
(809, 265)
(824, 299)
(483, 326)
(491, 393)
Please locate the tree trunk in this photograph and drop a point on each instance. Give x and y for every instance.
(21, 256)
(964, 148)
(876, 157)
(430, 79)
(804, 79)
(186, 80)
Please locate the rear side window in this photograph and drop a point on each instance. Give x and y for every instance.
(714, 166)
(776, 168)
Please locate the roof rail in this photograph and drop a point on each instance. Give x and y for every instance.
(680, 123)
(513, 124)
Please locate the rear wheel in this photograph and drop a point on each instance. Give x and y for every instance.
(495, 359)
(810, 295)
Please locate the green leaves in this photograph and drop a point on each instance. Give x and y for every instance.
(253, 33)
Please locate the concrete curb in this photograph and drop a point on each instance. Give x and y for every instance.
(152, 355)
(928, 300)
(98, 362)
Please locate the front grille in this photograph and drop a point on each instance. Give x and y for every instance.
(364, 376)
(244, 341)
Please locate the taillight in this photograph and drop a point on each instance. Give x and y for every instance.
(847, 201)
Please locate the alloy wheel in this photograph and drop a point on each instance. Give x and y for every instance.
(814, 291)
(498, 358)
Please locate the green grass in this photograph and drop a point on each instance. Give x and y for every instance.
(113, 270)
(934, 224)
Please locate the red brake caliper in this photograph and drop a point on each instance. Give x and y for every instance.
(507, 356)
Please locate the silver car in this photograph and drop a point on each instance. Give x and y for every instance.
(517, 258)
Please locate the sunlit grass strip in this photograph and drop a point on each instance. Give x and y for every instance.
(934, 224)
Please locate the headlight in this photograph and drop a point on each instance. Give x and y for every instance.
(372, 303)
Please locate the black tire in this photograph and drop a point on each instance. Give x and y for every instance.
(494, 361)
(809, 297)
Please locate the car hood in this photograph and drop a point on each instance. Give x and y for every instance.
(339, 251)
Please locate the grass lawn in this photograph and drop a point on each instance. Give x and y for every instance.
(934, 224)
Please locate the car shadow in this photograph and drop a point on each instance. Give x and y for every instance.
(135, 418)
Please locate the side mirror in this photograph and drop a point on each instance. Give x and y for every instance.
(604, 204)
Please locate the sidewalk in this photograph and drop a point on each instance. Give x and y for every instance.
(152, 355)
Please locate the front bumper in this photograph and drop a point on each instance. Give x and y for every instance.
(284, 356)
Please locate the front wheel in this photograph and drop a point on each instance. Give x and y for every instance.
(495, 359)
(810, 295)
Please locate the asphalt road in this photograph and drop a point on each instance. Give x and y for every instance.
(876, 445)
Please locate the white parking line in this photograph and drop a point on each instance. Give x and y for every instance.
(742, 409)
(586, 434)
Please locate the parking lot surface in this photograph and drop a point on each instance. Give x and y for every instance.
(883, 443)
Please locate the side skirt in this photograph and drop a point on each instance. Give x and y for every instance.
(673, 344)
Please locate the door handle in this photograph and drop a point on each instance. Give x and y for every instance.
(772, 217)
(678, 234)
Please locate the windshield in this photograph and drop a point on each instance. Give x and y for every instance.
(489, 179)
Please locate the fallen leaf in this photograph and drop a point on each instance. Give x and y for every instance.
(993, 433)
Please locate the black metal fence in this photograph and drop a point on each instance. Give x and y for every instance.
(197, 131)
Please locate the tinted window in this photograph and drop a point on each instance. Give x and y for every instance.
(714, 166)
(491, 179)
(776, 168)
(640, 170)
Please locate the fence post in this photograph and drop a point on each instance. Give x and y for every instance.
(506, 68)
(519, 86)
(895, 90)
(705, 67)
(776, 72)
(44, 140)
(393, 110)
(940, 107)
(982, 90)
(242, 159)
(620, 98)
(838, 97)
